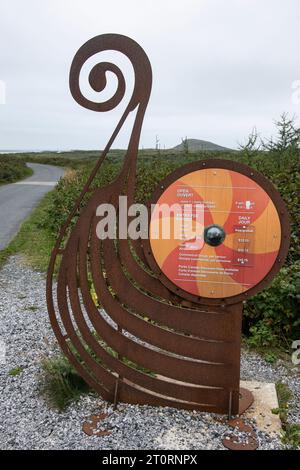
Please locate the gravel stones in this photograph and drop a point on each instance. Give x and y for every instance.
(27, 421)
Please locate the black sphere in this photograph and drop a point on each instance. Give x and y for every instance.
(214, 235)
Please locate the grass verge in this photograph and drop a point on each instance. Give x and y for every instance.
(291, 432)
(62, 385)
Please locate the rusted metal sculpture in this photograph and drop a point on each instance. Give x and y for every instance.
(155, 344)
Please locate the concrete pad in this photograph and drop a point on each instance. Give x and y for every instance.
(265, 399)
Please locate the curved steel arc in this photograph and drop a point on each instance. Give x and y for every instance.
(191, 350)
(119, 367)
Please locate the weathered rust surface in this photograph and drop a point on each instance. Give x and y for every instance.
(90, 426)
(155, 344)
(242, 438)
(246, 400)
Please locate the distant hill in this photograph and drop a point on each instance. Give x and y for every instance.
(195, 145)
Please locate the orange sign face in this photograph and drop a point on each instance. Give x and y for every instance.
(224, 233)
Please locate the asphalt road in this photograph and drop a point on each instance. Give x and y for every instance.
(18, 199)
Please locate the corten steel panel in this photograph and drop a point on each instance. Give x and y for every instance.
(156, 344)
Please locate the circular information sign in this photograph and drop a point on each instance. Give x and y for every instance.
(215, 233)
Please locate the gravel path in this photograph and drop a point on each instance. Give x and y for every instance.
(27, 422)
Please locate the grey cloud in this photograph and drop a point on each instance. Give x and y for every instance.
(219, 68)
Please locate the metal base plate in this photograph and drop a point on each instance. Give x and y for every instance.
(90, 426)
(243, 437)
(246, 400)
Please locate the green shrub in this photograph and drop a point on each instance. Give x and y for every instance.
(262, 335)
(291, 436)
(272, 316)
(12, 169)
(69, 189)
(288, 184)
(271, 357)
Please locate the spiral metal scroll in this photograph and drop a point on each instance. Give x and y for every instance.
(166, 350)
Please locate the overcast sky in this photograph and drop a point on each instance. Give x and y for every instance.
(219, 69)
